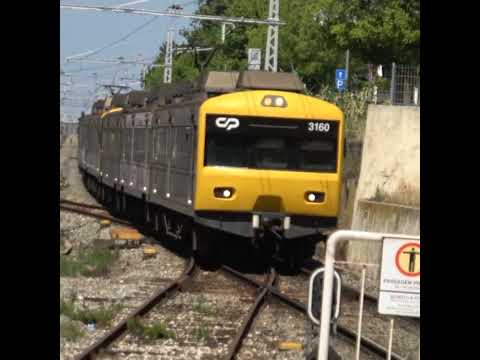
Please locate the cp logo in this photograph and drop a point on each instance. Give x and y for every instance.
(228, 123)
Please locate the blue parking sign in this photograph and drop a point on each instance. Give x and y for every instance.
(341, 74)
(340, 79)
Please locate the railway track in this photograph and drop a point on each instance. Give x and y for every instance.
(236, 344)
(90, 210)
(269, 289)
(265, 289)
(159, 295)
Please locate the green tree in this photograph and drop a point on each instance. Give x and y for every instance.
(313, 41)
(376, 31)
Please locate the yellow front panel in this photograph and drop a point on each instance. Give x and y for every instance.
(268, 190)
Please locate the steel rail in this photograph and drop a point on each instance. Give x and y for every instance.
(91, 206)
(252, 313)
(347, 333)
(92, 214)
(158, 296)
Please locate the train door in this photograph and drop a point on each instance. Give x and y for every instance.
(126, 156)
(182, 154)
(159, 157)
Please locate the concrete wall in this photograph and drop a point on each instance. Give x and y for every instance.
(390, 166)
(391, 150)
(351, 174)
(380, 217)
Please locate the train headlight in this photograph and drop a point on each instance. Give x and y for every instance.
(317, 197)
(224, 193)
(276, 101)
(279, 101)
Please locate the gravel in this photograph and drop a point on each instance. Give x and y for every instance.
(213, 305)
(132, 278)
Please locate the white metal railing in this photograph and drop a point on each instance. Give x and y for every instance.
(328, 277)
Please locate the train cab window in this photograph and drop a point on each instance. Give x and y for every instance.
(221, 151)
(271, 145)
(270, 153)
(317, 155)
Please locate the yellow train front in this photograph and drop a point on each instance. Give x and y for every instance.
(269, 168)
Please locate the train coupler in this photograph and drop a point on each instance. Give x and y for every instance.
(274, 222)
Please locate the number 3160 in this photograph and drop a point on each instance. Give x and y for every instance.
(316, 126)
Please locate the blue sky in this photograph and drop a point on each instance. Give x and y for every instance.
(82, 31)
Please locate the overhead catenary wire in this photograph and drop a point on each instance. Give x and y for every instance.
(233, 19)
(113, 43)
(96, 68)
(87, 54)
(125, 37)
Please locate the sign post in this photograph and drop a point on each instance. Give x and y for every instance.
(254, 59)
(328, 278)
(400, 278)
(340, 79)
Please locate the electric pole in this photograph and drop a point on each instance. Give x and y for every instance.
(271, 51)
(224, 30)
(167, 71)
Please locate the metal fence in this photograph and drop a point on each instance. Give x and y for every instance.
(397, 84)
(393, 336)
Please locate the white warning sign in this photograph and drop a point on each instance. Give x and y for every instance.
(400, 278)
(254, 59)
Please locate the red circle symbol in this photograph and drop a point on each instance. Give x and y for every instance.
(400, 252)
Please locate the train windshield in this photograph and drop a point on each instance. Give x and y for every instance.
(277, 145)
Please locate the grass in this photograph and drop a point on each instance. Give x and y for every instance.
(89, 262)
(135, 327)
(204, 308)
(405, 195)
(380, 195)
(354, 105)
(101, 316)
(67, 308)
(202, 332)
(71, 331)
(157, 330)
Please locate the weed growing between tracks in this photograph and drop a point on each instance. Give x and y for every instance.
(204, 308)
(101, 316)
(157, 330)
(71, 331)
(88, 262)
(202, 332)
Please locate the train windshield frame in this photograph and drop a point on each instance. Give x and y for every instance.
(271, 143)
